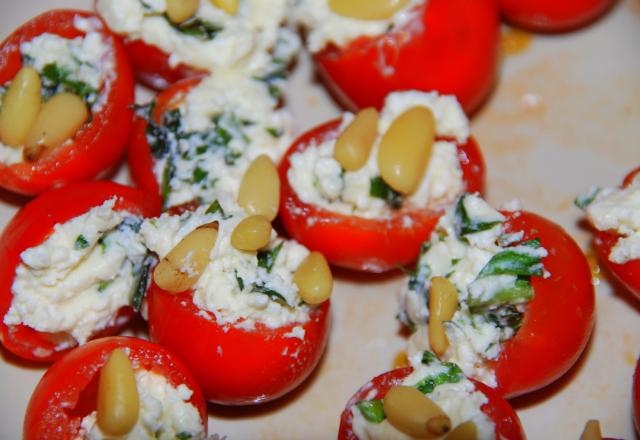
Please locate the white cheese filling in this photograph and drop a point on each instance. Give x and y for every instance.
(318, 179)
(226, 121)
(326, 27)
(618, 210)
(234, 288)
(87, 59)
(481, 324)
(242, 39)
(80, 276)
(165, 413)
(459, 400)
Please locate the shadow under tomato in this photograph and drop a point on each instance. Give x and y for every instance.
(537, 397)
(13, 199)
(264, 409)
(18, 362)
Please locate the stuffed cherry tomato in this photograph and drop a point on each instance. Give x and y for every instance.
(552, 16)
(170, 41)
(66, 109)
(72, 260)
(249, 311)
(505, 295)
(75, 398)
(613, 213)
(365, 51)
(463, 406)
(368, 189)
(202, 136)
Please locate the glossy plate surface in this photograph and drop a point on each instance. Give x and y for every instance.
(564, 116)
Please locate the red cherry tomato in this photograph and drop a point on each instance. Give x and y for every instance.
(558, 320)
(68, 390)
(629, 272)
(451, 46)
(551, 15)
(234, 366)
(506, 421)
(31, 226)
(373, 245)
(99, 144)
(140, 157)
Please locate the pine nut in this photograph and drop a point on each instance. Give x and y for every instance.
(443, 303)
(181, 10)
(228, 6)
(20, 107)
(260, 188)
(414, 414)
(314, 279)
(367, 9)
(353, 147)
(592, 431)
(464, 431)
(118, 401)
(251, 234)
(184, 264)
(405, 149)
(59, 120)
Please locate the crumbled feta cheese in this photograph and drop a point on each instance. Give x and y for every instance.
(618, 210)
(318, 179)
(225, 122)
(245, 38)
(326, 27)
(80, 276)
(233, 287)
(165, 412)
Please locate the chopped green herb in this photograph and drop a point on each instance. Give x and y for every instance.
(199, 175)
(273, 131)
(55, 79)
(80, 243)
(216, 207)
(103, 245)
(197, 28)
(267, 258)
(519, 292)
(239, 280)
(167, 175)
(428, 357)
(144, 278)
(372, 410)
(466, 225)
(183, 436)
(505, 317)
(381, 190)
(510, 262)
(102, 285)
(452, 375)
(272, 294)
(586, 199)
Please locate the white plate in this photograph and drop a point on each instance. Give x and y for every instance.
(564, 116)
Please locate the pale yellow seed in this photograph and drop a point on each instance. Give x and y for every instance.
(59, 120)
(592, 431)
(367, 9)
(118, 401)
(252, 233)
(314, 279)
(414, 414)
(405, 149)
(353, 146)
(181, 10)
(464, 431)
(20, 107)
(228, 6)
(184, 264)
(259, 191)
(443, 303)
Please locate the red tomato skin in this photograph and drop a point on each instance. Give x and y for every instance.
(558, 320)
(374, 245)
(552, 16)
(98, 146)
(497, 409)
(63, 397)
(629, 272)
(451, 47)
(235, 366)
(152, 68)
(31, 226)
(140, 158)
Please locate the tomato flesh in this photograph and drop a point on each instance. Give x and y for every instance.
(551, 15)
